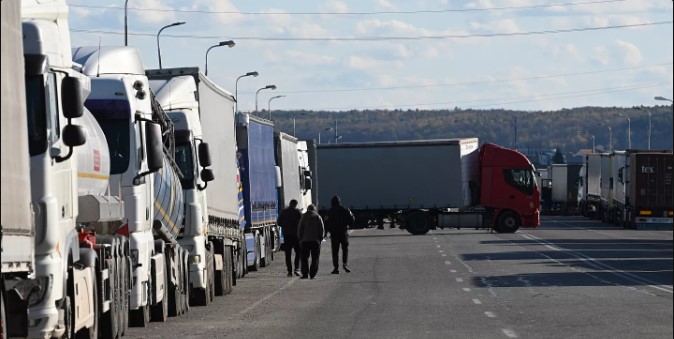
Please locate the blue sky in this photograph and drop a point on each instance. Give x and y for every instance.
(395, 54)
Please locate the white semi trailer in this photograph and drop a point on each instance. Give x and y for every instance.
(203, 114)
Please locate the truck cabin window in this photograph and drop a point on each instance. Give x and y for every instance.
(42, 109)
(115, 120)
(520, 179)
(185, 163)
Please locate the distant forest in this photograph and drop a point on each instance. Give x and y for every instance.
(522, 129)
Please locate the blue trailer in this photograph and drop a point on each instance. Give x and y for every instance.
(260, 178)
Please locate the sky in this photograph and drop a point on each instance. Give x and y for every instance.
(404, 54)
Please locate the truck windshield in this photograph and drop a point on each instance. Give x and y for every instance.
(521, 179)
(114, 118)
(185, 163)
(42, 112)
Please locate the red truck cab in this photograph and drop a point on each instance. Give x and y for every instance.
(508, 187)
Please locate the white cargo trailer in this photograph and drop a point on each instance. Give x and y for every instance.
(564, 190)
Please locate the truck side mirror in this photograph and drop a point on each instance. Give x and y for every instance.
(155, 149)
(71, 98)
(279, 178)
(620, 175)
(207, 175)
(74, 135)
(204, 155)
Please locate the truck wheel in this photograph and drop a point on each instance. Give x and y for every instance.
(256, 262)
(235, 266)
(265, 260)
(110, 320)
(211, 276)
(509, 222)
(229, 271)
(220, 284)
(417, 223)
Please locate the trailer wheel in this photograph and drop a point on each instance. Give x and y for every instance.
(256, 262)
(110, 320)
(417, 223)
(509, 222)
(220, 283)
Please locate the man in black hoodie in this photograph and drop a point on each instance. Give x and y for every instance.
(338, 221)
(289, 220)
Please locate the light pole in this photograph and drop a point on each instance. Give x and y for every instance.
(610, 135)
(336, 132)
(591, 136)
(228, 43)
(236, 87)
(272, 87)
(629, 130)
(167, 26)
(269, 103)
(649, 124)
(126, 30)
(319, 134)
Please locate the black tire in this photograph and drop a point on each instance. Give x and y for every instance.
(211, 277)
(110, 320)
(220, 279)
(228, 271)
(235, 268)
(264, 260)
(417, 223)
(508, 222)
(256, 262)
(3, 317)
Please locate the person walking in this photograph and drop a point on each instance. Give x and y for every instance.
(289, 219)
(338, 221)
(310, 231)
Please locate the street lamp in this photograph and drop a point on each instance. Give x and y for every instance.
(610, 136)
(236, 87)
(591, 136)
(228, 43)
(629, 130)
(126, 30)
(167, 26)
(269, 103)
(272, 87)
(319, 134)
(649, 124)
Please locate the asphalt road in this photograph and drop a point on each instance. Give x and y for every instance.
(570, 278)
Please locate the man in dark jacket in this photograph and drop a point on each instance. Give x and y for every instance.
(289, 219)
(338, 221)
(310, 232)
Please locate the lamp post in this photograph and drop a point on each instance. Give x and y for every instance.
(167, 26)
(272, 87)
(629, 130)
(590, 135)
(228, 43)
(269, 103)
(649, 124)
(336, 138)
(126, 30)
(236, 87)
(319, 134)
(610, 135)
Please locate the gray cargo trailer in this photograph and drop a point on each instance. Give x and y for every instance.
(564, 190)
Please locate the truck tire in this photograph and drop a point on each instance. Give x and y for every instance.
(229, 271)
(265, 260)
(141, 316)
(211, 276)
(110, 320)
(235, 266)
(508, 222)
(3, 317)
(220, 283)
(256, 262)
(417, 223)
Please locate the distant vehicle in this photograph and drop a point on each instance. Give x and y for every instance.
(589, 189)
(564, 178)
(426, 184)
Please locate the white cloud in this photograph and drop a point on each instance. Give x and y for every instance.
(152, 17)
(630, 52)
(601, 55)
(504, 26)
(385, 4)
(222, 6)
(371, 64)
(335, 6)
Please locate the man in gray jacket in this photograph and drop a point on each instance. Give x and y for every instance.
(310, 232)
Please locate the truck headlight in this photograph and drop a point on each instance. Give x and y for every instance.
(196, 259)
(39, 289)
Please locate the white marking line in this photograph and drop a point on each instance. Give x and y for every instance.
(267, 297)
(599, 265)
(441, 251)
(434, 238)
(466, 289)
(447, 262)
(438, 246)
(477, 301)
(509, 333)
(444, 255)
(459, 280)
(490, 314)
(452, 271)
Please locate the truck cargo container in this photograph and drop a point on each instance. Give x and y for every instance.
(18, 229)
(424, 184)
(564, 196)
(605, 186)
(312, 165)
(260, 178)
(203, 114)
(642, 196)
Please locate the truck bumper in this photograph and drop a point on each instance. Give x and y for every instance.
(533, 220)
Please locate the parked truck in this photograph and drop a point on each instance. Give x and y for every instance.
(589, 191)
(304, 149)
(203, 114)
(141, 143)
(642, 190)
(18, 230)
(431, 183)
(564, 178)
(260, 178)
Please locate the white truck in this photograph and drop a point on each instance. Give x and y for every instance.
(143, 171)
(564, 187)
(18, 230)
(589, 191)
(203, 114)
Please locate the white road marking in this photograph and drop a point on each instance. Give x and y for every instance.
(466, 289)
(477, 301)
(438, 246)
(447, 262)
(267, 297)
(490, 314)
(459, 280)
(509, 333)
(452, 271)
(441, 251)
(444, 255)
